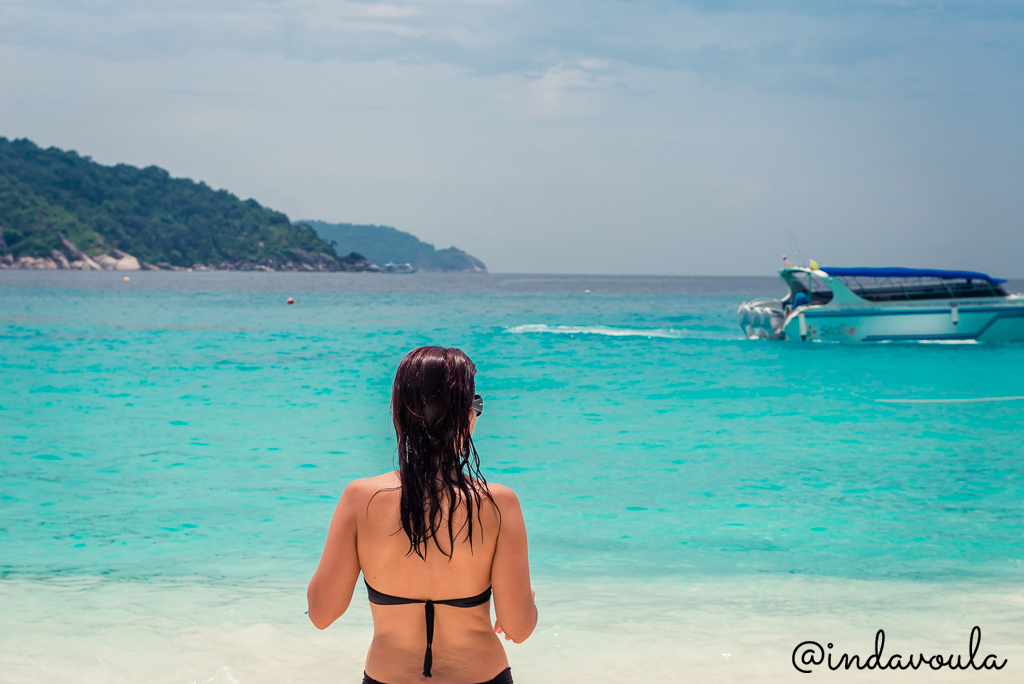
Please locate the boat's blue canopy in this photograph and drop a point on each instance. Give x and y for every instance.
(910, 273)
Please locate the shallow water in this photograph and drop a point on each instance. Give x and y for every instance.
(191, 430)
(172, 631)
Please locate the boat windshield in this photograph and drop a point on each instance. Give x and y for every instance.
(805, 288)
(894, 288)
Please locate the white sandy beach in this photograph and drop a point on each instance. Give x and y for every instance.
(737, 630)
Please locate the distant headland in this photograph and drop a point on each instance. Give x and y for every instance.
(61, 210)
(384, 244)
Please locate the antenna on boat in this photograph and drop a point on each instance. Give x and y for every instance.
(794, 250)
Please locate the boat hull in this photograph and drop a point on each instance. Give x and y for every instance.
(1001, 320)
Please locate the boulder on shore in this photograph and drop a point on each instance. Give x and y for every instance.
(106, 262)
(62, 261)
(355, 261)
(36, 263)
(127, 263)
(69, 256)
(70, 251)
(77, 259)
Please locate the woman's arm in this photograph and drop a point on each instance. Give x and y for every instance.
(330, 590)
(514, 609)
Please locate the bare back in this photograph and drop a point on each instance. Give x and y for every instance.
(366, 535)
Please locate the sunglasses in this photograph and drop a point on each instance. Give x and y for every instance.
(478, 404)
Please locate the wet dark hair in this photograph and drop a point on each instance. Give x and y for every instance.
(431, 402)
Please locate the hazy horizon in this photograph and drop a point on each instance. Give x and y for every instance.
(658, 138)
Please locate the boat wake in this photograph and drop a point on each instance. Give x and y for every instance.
(956, 400)
(598, 330)
(929, 342)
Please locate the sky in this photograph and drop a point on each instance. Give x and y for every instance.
(620, 137)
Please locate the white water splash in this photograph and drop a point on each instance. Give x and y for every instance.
(597, 330)
(970, 400)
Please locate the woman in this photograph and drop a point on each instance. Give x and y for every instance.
(433, 540)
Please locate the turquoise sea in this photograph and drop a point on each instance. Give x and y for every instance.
(173, 448)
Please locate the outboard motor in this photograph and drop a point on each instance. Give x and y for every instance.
(761, 319)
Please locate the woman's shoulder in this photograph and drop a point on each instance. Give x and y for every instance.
(365, 488)
(505, 501)
(384, 480)
(502, 494)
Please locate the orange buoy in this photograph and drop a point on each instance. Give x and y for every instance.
(126, 279)
(290, 300)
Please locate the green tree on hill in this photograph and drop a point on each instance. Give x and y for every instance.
(47, 193)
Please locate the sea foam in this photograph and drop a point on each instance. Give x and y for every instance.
(598, 330)
(94, 630)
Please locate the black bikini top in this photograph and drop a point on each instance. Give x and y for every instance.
(428, 611)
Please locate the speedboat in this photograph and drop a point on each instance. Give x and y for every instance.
(392, 267)
(886, 304)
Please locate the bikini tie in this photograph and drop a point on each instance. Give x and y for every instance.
(382, 599)
(428, 657)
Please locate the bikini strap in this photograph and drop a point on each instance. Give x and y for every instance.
(382, 599)
(470, 602)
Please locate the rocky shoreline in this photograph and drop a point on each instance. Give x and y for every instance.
(69, 257)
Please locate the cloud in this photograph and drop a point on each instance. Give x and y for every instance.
(302, 29)
(391, 11)
(782, 43)
(640, 136)
(566, 89)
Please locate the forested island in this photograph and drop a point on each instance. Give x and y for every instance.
(383, 244)
(59, 209)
